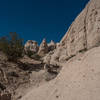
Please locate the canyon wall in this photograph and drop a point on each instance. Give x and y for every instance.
(83, 34)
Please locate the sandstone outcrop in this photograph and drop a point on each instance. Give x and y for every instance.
(43, 49)
(31, 46)
(83, 34)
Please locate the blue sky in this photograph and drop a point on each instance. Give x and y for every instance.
(38, 19)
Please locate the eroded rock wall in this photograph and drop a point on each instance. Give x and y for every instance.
(83, 34)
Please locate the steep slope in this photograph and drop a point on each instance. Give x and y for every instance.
(78, 80)
(84, 31)
(83, 34)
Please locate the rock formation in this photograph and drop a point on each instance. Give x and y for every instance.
(43, 49)
(83, 34)
(79, 56)
(79, 79)
(31, 46)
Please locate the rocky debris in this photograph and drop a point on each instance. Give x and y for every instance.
(11, 77)
(54, 69)
(28, 64)
(26, 59)
(51, 46)
(31, 46)
(5, 96)
(20, 76)
(3, 74)
(47, 58)
(43, 49)
(2, 87)
(51, 71)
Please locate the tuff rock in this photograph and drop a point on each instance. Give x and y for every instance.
(43, 49)
(82, 35)
(31, 46)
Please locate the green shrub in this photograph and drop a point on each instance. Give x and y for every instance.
(12, 46)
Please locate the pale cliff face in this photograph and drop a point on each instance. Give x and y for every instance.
(83, 34)
(84, 31)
